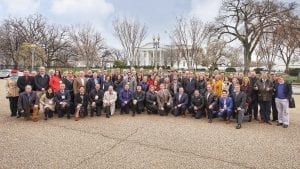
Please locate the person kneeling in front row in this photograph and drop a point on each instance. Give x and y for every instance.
(96, 100)
(28, 103)
(81, 103)
(109, 100)
(180, 102)
(225, 106)
(47, 104)
(197, 105)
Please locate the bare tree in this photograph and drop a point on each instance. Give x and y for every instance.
(188, 35)
(288, 33)
(87, 43)
(233, 55)
(247, 20)
(214, 51)
(130, 33)
(267, 50)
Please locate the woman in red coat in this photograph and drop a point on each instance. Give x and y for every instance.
(55, 80)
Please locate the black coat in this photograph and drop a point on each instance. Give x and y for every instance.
(41, 82)
(68, 84)
(90, 85)
(198, 102)
(211, 100)
(201, 86)
(22, 83)
(81, 100)
(93, 94)
(150, 98)
(172, 88)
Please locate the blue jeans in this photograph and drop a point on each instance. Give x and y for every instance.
(225, 114)
(265, 110)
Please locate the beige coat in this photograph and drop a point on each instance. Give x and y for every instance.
(12, 88)
(164, 97)
(77, 83)
(45, 102)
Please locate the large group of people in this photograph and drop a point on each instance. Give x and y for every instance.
(198, 94)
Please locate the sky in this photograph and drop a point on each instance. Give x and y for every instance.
(157, 15)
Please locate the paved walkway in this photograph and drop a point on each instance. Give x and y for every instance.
(145, 141)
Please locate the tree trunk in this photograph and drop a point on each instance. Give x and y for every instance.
(247, 59)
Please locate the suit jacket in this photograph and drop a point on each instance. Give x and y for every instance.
(68, 84)
(125, 96)
(210, 100)
(239, 100)
(81, 99)
(77, 83)
(139, 96)
(62, 97)
(189, 85)
(229, 103)
(41, 82)
(201, 86)
(183, 100)
(91, 83)
(263, 94)
(99, 94)
(22, 82)
(26, 102)
(163, 97)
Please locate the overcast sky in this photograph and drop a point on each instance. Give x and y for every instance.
(158, 15)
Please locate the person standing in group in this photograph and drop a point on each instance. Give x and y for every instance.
(254, 101)
(62, 100)
(189, 85)
(138, 99)
(218, 86)
(55, 80)
(13, 92)
(211, 101)
(25, 80)
(28, 104)
(47, 103)
(164, 100)
(283, 92)
(240, 107)
(78, 82)
(264, 86)
(109, 101)
(92, 82)
(41, 81)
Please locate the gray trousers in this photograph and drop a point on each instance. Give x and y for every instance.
(240, 116)
(282, 106)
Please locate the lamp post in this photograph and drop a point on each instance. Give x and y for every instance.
(156, 41)
(33, 46)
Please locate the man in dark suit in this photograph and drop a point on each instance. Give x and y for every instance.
(138, 99)
(211, 102)
(28, 103)
(197, 105)
(96, 100)
(239, 99)
(91, 83)
(41, 81)
(225, 106)
(180, 102)
(62, 100)
(190, 86)
(25, 80)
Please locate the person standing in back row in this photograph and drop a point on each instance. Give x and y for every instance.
(41, 81)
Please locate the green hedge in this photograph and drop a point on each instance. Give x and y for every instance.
(230, 69)
(294, 71)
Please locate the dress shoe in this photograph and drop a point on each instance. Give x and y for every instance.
(285, 126)
(209, 121)
(107, 116)
(268, 122)
(76, 118)
(238, 126)
(18, 116)
(45, 118)
(279, 124)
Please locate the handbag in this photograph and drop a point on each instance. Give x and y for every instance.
(292, 103)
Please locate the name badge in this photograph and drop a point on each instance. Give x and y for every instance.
(96, 97)
(63, 96)
(50, 102)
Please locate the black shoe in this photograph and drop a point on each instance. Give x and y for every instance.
(285, 126)
(18, 116)
(133, 114)
(238, 126)
(45, 118)
(107, 116)
(279, 124)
